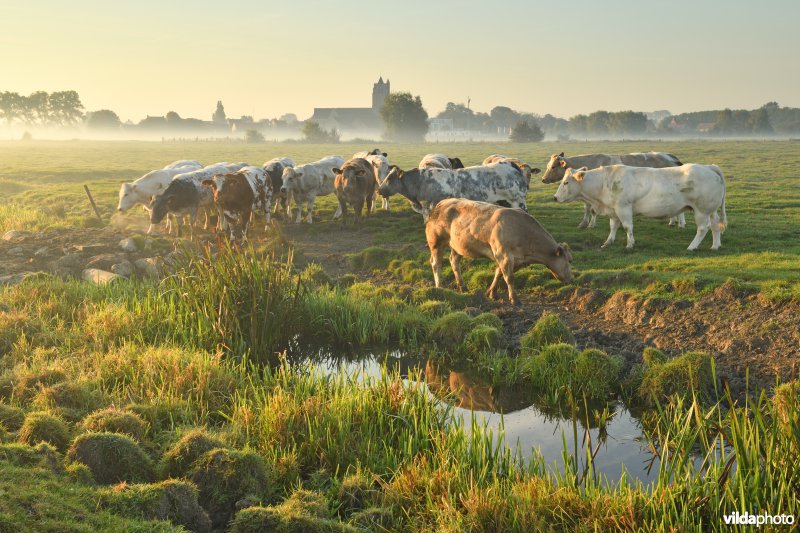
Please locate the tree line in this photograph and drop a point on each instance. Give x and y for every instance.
(60, 108)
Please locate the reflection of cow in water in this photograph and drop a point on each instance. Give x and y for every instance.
(464, 391)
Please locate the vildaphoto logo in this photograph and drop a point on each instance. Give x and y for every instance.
(740, 519)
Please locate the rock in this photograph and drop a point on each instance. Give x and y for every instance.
(99, 277)
(15, 235)
(128, 245)
(124, 269)
(149, 267)
(68, 265)
(105, 261)
(15, 279)
(91, 248)
(44, 251)
(17, 250)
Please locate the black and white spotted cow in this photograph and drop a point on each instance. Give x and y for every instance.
(500, 183)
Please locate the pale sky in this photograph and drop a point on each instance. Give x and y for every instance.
(266, 58)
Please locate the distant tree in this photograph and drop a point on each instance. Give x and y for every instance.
(314, 133)
(526, 132)
(577, 124)
(504, 117)
(627, 122)
(254, 137)
(219, 116)
(460, 114)
(103, 119)
(36, 108)
(11, 106)
(404, 118)
(597, 123)
(759, 122)
(66, 107)
(173, 119)
(153, 123)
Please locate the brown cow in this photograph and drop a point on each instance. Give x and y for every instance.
(355, 185)
(237, 195)
(510, 237)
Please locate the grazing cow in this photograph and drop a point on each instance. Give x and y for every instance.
(510, 237)
(185, 163)
(621, 192)
(558, 164)
(237, 195)
(355, 185)
(440, 161)
(381, 166)
(526, 169)
(500, 183)
(274, 169)
(306, 182)
(151, 184)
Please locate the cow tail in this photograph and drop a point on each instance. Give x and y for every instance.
(723, 223)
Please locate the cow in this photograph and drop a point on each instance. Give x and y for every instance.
(381, 167)
(558, 164)
(440, 161)
(510, 237)
(237, 195)
(526, 169)
(355, 185)
(306, 182)
(363, 154)
(621, 192)
(183, 201)
(500, 183)
(151, 184)
(274, 169)
(184, 163)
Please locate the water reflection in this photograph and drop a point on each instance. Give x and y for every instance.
(528, 424)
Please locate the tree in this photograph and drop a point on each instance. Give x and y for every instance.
(173, 119)
(759, 121)
(314, 133)
(526, 132)
(66, 107)
(627, 122)
(460, 114)
(504, 117)
(37, 108)
(597, 123)
(11, 106)
(254, 137)
(404, 117)
(103, 119)
(219, 115)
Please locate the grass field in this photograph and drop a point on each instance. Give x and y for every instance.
(155, 404)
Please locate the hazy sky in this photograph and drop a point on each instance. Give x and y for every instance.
(266, 58)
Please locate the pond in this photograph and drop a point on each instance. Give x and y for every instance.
(527, 426)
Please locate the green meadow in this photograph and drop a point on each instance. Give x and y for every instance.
(188, 402)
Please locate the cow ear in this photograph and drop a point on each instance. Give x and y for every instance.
(133, 187)
(579, 175)
(209, 183)
(562, 163)
(561, 154)
(385, 154)
(535, 170)
(337, 170)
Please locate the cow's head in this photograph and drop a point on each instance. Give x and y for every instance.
(160, 207)
(560, 263)
(290, 179)
(126, 197)
(392, 183)
(571, 185)
(555, 168)
(455, 163)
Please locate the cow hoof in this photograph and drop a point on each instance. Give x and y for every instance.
(583, 225)
(692, 249)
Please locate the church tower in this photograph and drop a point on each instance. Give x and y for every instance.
(380, 91)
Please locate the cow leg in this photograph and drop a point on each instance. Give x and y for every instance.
(245, 218)
(506, 265)
(455, 262)
(358, 208)
(612, 235)
(592, 219)
(343, 209)
(310, 207)
(681, 220)
(716, 233)
(490, 293)
(338, 212)
(703, 222)
(626, 219)
(436, 263)
(587, 216)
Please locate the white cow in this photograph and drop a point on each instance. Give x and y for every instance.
(526, 169)
(185, 163)
(381, 166)
(559, 163)
(145, 188)
(439, 161)
(305, 182)
(621, 192)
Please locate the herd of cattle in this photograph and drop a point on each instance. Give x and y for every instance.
(477, 211)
